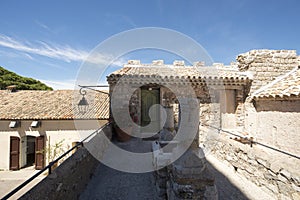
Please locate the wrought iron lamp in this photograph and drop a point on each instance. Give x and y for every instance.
(83, 105)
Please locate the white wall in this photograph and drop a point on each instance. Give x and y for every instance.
(66, 138)
(54, 131)
(5, 148)
(279, 129)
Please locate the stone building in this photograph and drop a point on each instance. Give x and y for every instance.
(35, 125)
(247, 111)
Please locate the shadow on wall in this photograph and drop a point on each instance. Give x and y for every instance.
(278, 105)
(226, 189)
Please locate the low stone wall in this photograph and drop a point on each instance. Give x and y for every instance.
(67, 180)
(186, 178)
(274, 172)
(70, 178)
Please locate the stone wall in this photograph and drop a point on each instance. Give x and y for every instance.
(209, 115)
(186, 178)
(266, 65)
(274, 172)
(68, 180)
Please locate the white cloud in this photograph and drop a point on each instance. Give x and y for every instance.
(60, 85)
(44, 26)
(65, 53)
(69, 84)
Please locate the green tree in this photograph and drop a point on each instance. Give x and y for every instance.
(8, 78)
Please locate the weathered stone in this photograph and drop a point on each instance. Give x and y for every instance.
(243, 156)
(252, 162)
(283, 188)
(284, 197)
(282, 178)
(258, 173)
(269, 176)
(296, 196)
(296, 180)
(272, 173)
(249, 169)
(227, 157)
(59, 187)
(297, 188)
(285, 173)
(211, 193)
(263, 162)
(275, 167)
(273, 188)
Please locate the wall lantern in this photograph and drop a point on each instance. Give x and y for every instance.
(83, 105)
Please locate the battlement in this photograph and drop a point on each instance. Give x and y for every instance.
(176, 63)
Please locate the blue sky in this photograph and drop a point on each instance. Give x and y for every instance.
(50, 40)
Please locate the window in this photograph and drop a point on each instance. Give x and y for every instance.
(14, 124)
(35, 124)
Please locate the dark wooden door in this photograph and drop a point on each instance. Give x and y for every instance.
(39, 152)
(150, 98)
(14, 153)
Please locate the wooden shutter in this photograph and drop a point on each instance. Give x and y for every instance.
(14, 153)
(39, 152)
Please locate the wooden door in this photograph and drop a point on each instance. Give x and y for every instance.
(39, 152)
(14, 153)
(150, 98)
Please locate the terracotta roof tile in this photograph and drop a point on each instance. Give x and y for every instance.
(59, 104)
(286, 86)
(170, 72)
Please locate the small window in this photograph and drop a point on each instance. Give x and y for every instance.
(13, 124)
(35, 124)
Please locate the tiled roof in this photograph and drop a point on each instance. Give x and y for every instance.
(286, 86)
(179, 72)
(58, 104)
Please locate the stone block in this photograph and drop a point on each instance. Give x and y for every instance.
(275, 167)
(296, 196)
(249, 169)
(296, 180)
(269, 177)
(296, 188)
(285, 173)
(284, 197)
(272, 188)
(283, 187)
(211, 192)
(263, 163)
